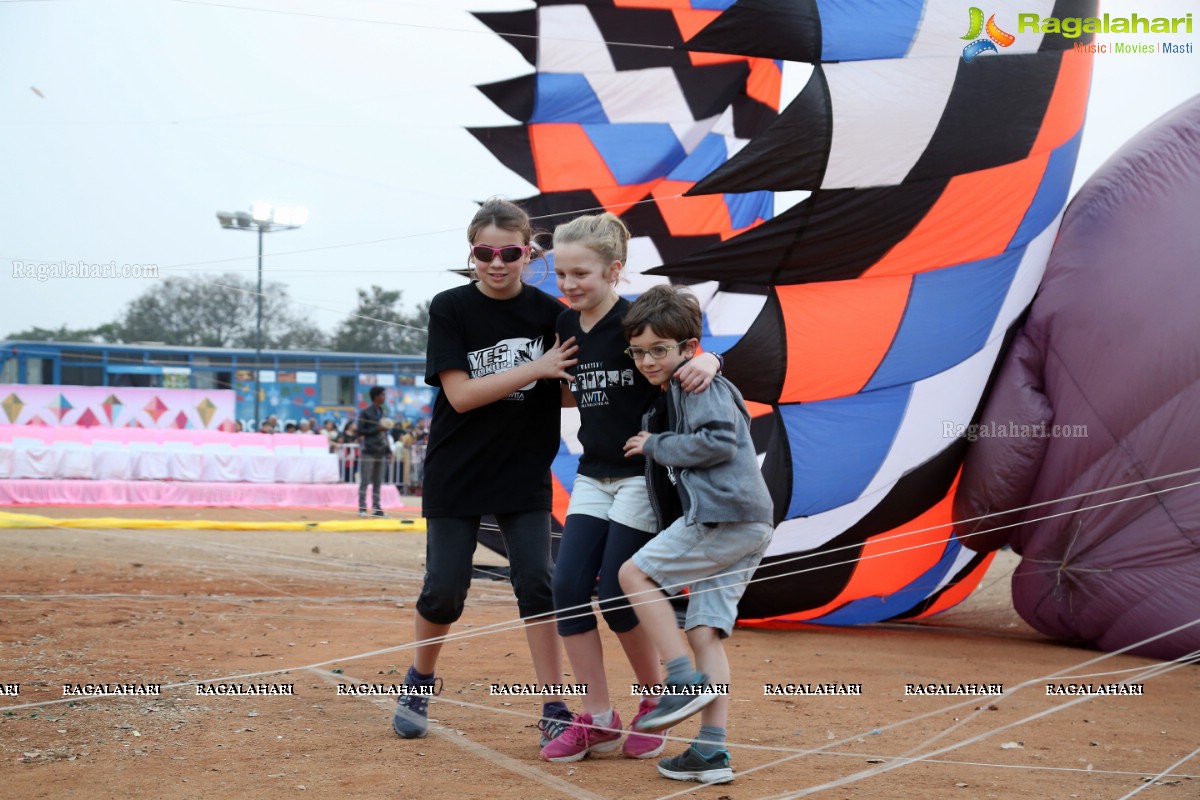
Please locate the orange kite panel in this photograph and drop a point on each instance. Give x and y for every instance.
(619, 199)
(691, 216)
(1064, 115)
(837, 334)
(566, 159)
(889, 561)
(975, 218)
(766, 82)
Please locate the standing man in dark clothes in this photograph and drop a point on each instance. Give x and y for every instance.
(376, 446)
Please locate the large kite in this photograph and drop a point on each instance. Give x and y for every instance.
(863, 195)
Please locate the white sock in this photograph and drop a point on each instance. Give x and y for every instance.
(603, 720)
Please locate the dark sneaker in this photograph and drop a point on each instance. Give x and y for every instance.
(362, 512)
(411, 720)
(552, 727)
(680, 701)
(691, 766)
(378, 513)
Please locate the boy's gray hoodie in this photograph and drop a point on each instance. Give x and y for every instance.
(708, 446)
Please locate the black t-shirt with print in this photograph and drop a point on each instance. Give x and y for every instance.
(494, 459)
(610, 393)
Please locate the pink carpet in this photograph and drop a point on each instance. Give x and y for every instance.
(169, 493)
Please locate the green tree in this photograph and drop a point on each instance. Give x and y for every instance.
(378, 325)
(102, 333)
(201, 311)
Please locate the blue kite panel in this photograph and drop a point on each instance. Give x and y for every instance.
(708, 155)
(855, 30)
(564, 466)
(838, 445)
(747, 208)
(1052, 192)
(637, 152)
(949, 315)
(566, 97)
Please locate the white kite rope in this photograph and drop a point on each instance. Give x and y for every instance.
(902, 761)
(1153, 671)
(1163, 774)
(585, 610)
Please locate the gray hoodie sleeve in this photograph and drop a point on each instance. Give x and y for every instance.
(711, 430)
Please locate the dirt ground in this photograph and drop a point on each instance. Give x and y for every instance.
(319, 609)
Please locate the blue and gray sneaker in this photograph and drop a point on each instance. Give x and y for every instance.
(551, 727)
(691, 766)
(680, 701)
(411, 720)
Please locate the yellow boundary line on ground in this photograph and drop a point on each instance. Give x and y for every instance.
(10, 520)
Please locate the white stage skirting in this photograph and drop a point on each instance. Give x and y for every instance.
(180, 493)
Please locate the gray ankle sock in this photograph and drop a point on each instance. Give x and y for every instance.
(709, 740)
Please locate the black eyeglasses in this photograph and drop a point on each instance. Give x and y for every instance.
(508, 253)
(656, 352)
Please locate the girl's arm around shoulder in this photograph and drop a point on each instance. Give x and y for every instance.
(698, 372)
(466, 393)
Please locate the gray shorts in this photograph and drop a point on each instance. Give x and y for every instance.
(713, 562)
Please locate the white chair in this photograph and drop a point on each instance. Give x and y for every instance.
(221, 463)
(290, 464)
(257, 463)
(323, 465)
(33, 458)
(111, 461)
(184, 462)
(6, 459)
(74, 460)
(150, 461)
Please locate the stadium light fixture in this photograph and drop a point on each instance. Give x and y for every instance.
(263, 218)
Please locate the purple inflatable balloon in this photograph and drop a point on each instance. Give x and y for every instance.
(1101, 389)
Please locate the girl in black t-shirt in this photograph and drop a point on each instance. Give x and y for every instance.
(495, 430)
(609, 518)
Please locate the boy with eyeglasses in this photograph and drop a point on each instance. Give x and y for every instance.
(703, 441)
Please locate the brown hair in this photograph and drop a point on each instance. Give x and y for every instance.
(503, 214)
(670, 311)
(508, 216)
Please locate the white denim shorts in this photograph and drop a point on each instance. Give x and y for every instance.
(713, 562)
(623, 500)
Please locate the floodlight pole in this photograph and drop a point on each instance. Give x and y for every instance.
(265, 220)
(258, 333)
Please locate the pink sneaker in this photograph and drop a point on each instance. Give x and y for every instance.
(581, 738)
(644, 745)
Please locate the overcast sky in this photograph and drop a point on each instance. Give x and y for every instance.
(126, 124)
